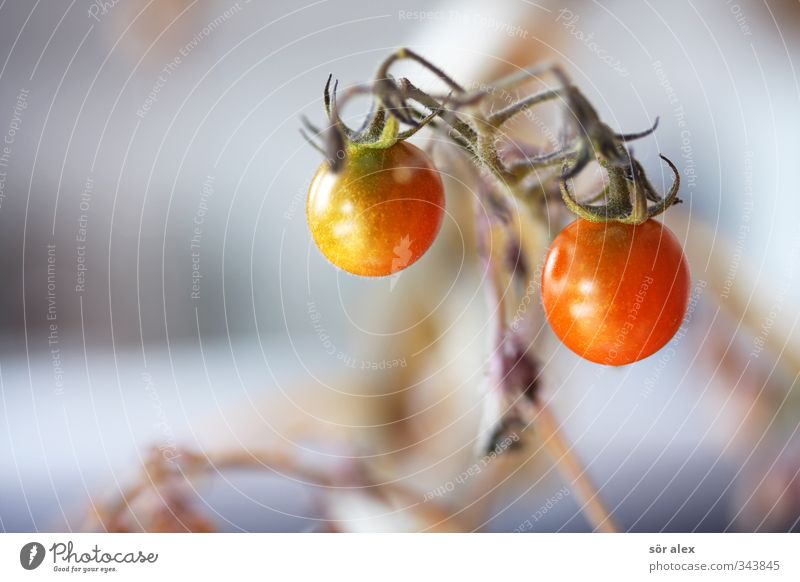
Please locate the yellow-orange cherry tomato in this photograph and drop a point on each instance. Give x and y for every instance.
(615, 293)
(380, 213)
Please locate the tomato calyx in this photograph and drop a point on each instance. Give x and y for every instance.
(381, 130)
(627, 196)
(339, 141)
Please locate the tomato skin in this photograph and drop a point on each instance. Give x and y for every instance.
(615, 293)
(381, 213)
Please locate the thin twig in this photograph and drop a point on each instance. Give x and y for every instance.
(500, 117)
(573, 471)
(160, 474)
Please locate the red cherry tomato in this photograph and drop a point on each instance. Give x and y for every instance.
(615, 293)
(380, 213)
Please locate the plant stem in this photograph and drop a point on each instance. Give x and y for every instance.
(120, 515)
(573, 471)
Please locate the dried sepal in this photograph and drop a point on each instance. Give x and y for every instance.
(626, 196)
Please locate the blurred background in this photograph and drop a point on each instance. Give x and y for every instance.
(161, 290)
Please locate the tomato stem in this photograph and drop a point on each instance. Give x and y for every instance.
(461, 115)
(572, 469)
(173, 485)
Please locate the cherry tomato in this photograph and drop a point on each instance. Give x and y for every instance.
(615, 293)
(380, 213)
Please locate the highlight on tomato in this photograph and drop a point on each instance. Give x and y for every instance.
(615, 293)
(380, 213)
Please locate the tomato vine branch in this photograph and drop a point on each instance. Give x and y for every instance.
(460, 115)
